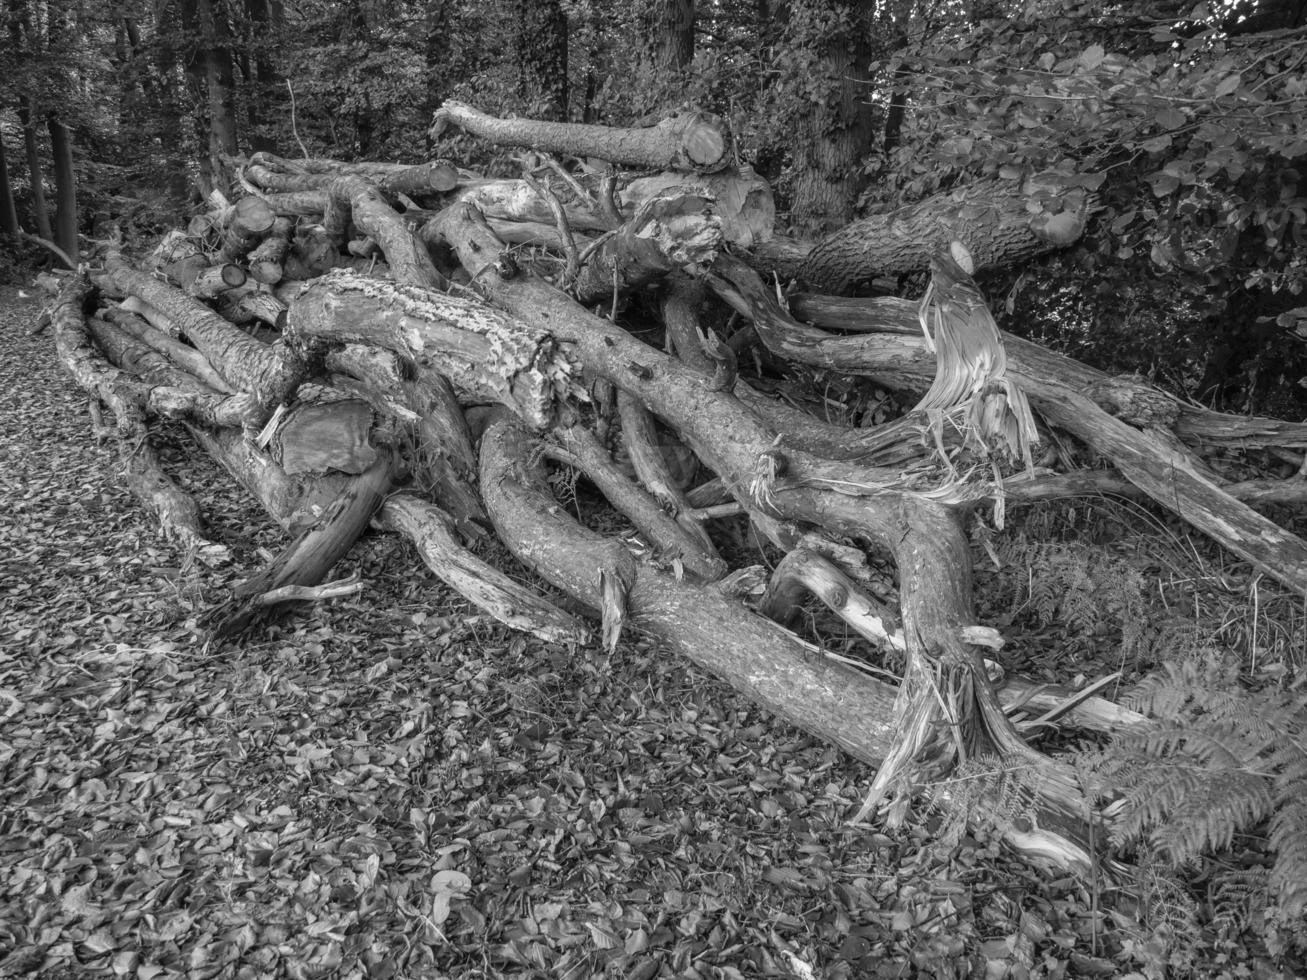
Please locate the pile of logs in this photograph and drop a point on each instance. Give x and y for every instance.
(414, 346)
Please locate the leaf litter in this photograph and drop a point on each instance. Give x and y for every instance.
(394, 786)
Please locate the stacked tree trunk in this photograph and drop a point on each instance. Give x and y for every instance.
(415, 346)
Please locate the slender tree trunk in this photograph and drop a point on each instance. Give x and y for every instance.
(165, 84)
(220, 82)
(364, 129)
(65, 183)
(8, 213)
(838, 132)
(261, 77)
(193, 60)
(36, 174)
(542, 56)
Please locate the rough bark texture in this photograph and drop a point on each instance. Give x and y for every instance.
(989, 217)
(675, 229)
(8, 213)
(670, 33)
(431, 532)
(408, 257)
(482, 351)
(757, 657)
(1055, 386)
(269, 373)
(693, 141)
(388, 363)
(836, 132)
(541, 41)
(35, 172)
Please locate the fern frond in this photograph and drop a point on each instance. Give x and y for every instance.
(1230, 801)
(1289, 838)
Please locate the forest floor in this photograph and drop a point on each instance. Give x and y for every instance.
(393, 786)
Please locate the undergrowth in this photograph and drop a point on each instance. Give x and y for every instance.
(1211, 793)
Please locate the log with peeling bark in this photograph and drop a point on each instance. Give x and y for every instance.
(672, 229)
(424, 406)
(784, 481)
(437, 176)
(483, 352)
(408, 257)
(516, 200)
(693, 141)
(308, 558)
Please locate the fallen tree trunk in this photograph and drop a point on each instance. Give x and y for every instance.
(674, 229)
(694, 141)
(990, 218)
(482, 351)
(753, 655)
(176, 512)
(431, 532)
(269, 373)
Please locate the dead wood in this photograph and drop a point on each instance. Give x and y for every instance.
(433, 534)
(183, 355)
(671, 545)
(424, 407)
(392, 364)
(176, 512)
(1056, 387)
(991, 218)
(244, 226)
(672, 229)
(694, 141)
(307, 559)
(269, 373)
(484, 352)
(266, 260)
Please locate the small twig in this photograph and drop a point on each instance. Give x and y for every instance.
(564, 227)
(63, 256)
(716, 511)
(293, 128)
(311, 593)
(578, 188)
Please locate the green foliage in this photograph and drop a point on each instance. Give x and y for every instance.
(1217, 760)
(1189, 142)
(1083, 587)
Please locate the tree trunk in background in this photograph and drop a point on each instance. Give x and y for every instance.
(40, 211)
(166, 84)
(215, 34)
(357, 19)
(835, 135)
(65, 186)
(193, 59)
(670, 33)
(8, 213)
(542, 57)
(264, 19)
